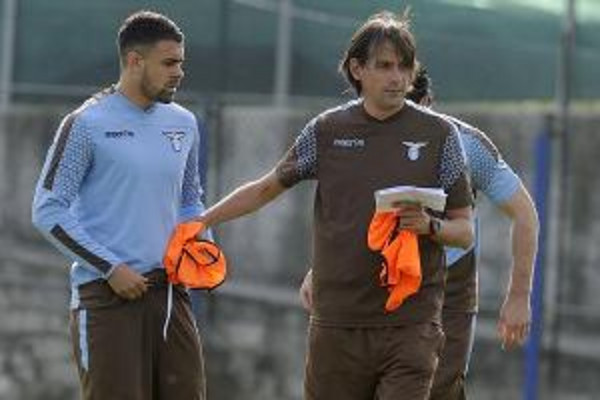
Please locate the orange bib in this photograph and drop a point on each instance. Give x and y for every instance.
(197, 264)
(401, 267)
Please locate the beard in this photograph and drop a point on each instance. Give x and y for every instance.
(156, 94)
(165, 96)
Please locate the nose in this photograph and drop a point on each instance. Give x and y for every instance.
(180, 73)
(401, 77)
(398, 75)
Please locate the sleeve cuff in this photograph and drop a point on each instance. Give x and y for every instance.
(504, 185)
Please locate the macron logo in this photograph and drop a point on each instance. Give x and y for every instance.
(119, 134)
(349, 143)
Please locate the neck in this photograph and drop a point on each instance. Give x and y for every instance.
(133, 93)
(381, 113)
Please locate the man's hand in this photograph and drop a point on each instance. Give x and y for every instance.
(127, 283)
(412, 217)
(306, 291)
(515, 320)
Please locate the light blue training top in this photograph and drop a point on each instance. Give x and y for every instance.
(489, 174)
(116, 181)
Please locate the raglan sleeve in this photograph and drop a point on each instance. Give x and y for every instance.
(300, 161)
(65, 169)
(490, 174)
(191, 189)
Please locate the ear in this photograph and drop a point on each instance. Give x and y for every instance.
(133, 60)
(356, 69)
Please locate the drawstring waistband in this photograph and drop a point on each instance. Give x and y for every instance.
(158, 279)
(169, 310)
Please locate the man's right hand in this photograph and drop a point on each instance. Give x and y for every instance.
(127, 283)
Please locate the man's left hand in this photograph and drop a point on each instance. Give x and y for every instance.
(515, 320)
(413, 218)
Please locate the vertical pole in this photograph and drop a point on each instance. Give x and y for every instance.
(541, 184)
(210, 146)
(214, 114)
(9, 22)
(283, 54)
(223, 48)
(563, 236)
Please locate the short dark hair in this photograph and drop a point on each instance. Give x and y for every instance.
(379, 28)
(144, 28)
(421, 86)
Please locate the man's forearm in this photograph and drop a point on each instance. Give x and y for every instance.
(243, 200)
(457, 232)
(524, 244)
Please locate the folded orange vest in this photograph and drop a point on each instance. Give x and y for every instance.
(197, 264)
(401, 267)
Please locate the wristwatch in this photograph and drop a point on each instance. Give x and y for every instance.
(435, 225)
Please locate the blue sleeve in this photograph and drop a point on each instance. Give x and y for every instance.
(202, 168)
(453, 176)
(202, 155)
(490, 174)
(191, 191)
(67, 163)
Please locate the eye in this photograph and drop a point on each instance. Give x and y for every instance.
(383, 65)
(171, 62)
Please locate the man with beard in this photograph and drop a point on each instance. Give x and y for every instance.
(120, 175)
